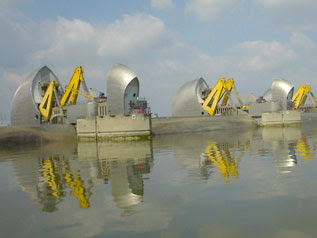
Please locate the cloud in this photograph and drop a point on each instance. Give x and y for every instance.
(261, 55)
(300, 41)
(285, 3)
(65, 39)
(9, 82)
(16, 36)
(162, 4)
(291, 14)
(133, 33)
(206, 10)
(128, 37)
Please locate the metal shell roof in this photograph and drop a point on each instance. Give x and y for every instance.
(122, 87)
(187, 101)
(24, 107)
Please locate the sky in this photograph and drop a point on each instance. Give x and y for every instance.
(165, 42)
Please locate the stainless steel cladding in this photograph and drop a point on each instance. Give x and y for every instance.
(28, 96)
(268, 95)
(188, 100)
(122, 88)
(282, 90)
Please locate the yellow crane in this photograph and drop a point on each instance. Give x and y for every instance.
(299, 98)
(47, 102)
(72, 90)
(222, 88)
(71, 93)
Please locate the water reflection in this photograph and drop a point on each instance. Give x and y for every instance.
(304, 149)
(123, 166)
(49, 174)
(101, 189)
(39, 171)
(206, 154)
(286, 144)
(221, 158)
(56, 178)
(203, 154)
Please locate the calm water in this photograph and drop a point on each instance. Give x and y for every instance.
(258, 183)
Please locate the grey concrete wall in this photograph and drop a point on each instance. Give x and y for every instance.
(118, 126)
(281, 118)
(126, 126)
(173, 125)
(87, 127)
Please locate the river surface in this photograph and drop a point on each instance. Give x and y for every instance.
(251, 183)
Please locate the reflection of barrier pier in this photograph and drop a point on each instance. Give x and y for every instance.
(210, 155)
(288, 145)
(122, 165)
(52, 174)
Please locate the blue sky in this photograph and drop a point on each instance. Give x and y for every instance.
(166, 43)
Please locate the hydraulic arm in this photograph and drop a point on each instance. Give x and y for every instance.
(46, 104)
(72, 90)
(300, 96)
(71, 93)
(214, 97)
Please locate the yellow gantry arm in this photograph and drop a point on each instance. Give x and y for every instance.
(73, 87)
(222, 87)
(214, 97)
(300, 96)
(229, 86)
(47, 101)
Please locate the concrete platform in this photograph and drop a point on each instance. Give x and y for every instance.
(118, 127)
(173, 125)
(283, 118)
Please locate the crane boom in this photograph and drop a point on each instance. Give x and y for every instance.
(71, 93)
(46, 104)
(300, 96)
(72, 90)
(214, 97)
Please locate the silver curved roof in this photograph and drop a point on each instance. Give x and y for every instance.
(122, 87)
(187, 101)
(281, 90)
(268, 95)
(28, 96)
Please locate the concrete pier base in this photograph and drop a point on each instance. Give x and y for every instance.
(119, 127)
(173, 125)
(282, 118)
